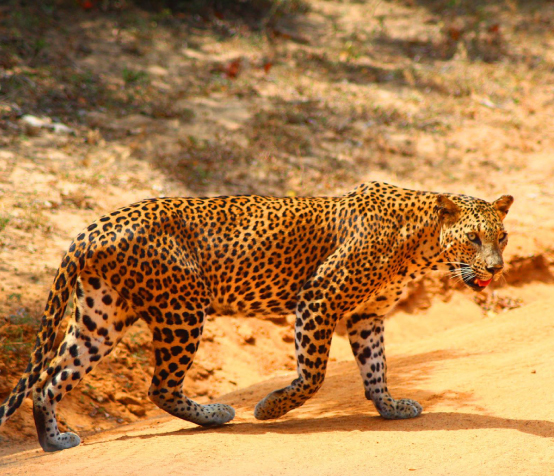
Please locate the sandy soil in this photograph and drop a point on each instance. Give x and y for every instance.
(486, 388)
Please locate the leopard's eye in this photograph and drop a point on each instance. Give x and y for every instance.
(502, 236)
(473, 238)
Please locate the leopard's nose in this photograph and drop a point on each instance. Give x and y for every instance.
(495, 269)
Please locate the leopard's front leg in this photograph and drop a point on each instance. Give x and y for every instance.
(314, 331)
(317, 313)
(366, 334)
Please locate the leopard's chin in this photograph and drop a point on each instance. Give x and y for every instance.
(477, 284)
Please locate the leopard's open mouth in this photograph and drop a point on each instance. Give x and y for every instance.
(475, 283)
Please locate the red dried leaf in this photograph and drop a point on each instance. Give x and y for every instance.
(454, 33)
(233, 68)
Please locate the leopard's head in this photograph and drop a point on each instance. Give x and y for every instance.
(473, 237)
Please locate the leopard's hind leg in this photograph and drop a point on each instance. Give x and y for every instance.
(177, 328)
(100, 318)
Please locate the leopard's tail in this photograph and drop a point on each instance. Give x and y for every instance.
(64, 282)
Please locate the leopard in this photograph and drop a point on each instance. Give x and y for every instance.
(174, 261)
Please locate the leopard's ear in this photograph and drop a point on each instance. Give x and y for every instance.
(447, 210)
(502, 205)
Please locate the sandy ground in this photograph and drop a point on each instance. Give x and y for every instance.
(486, 388)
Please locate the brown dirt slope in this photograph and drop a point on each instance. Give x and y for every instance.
(486, 388)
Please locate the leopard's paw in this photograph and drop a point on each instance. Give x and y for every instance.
(215, 414)
(392, 409)
(62, 441)
(270, 407)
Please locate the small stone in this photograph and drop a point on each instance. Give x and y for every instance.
(137, 410)
(33, 124)
(126, 399)
(246, 334)
(287, 335)
(62, 129)
(208, 334)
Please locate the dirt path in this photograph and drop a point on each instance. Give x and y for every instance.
(486, 388)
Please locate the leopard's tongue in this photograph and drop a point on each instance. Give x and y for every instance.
(482, 283)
